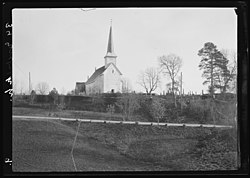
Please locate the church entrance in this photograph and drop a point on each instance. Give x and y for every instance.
(112, 90)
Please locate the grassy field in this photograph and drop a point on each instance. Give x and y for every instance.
(41, 146)
(65, 113)
(46, 145)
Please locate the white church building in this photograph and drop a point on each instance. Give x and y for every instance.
(108, 78)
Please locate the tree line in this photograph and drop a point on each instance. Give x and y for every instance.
(219, 71)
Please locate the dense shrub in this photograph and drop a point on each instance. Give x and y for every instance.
(99, 103)
(225, 112)
(53, 96)
(32, 96)
(145, 107)
(42, 98)
(204, 111)
(128, 104)
(177, 147)
(149, 108)
(198, 110)
(172, 112)
(210, 111)
(158, 109)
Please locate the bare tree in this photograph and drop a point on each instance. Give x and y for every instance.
(15, 86)
(176, 86)
(21, 87)
(42, 88)
(72, 92)
(170, 65)
(149, 79)
(229, 81)
(128, 104)
(126, 85)
(63, 91)
(158, 109)
(18, 86)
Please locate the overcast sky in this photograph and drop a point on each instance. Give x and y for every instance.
(63, 46)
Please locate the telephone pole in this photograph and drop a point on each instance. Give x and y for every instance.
(29, 84)
(181, 91)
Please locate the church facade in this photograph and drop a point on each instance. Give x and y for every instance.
(108, 78)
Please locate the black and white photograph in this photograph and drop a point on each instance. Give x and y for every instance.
(124, 89)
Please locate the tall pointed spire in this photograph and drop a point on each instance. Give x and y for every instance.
(110, 55)
(110, 42)
(110, 49)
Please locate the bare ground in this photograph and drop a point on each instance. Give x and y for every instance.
(41, 146)
(45, 146)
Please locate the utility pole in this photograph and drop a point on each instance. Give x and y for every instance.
(29, 84)
(181, 91)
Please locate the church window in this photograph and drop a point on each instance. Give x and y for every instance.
(112, 70)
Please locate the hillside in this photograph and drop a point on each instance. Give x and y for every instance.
(40, 146)
(46, 145)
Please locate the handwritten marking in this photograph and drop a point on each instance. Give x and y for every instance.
(8, 33)
(8, 161)
(7, 25)
(7, 44)
(9, 80)
(9, 91)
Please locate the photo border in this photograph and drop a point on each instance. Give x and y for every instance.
(242, 47)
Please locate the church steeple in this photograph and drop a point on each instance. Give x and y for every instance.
(110, 42)
(110, 55)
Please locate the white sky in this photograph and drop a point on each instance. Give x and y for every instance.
(63, 46)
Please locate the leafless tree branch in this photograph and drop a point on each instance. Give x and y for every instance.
(42, 88)
(149, 80)
(170, 65)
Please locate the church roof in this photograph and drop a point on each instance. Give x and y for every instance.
(80, 83)
(99, 71)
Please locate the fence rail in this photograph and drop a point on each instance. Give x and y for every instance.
(122, 122)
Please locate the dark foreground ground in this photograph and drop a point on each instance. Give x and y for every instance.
(45, 146)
